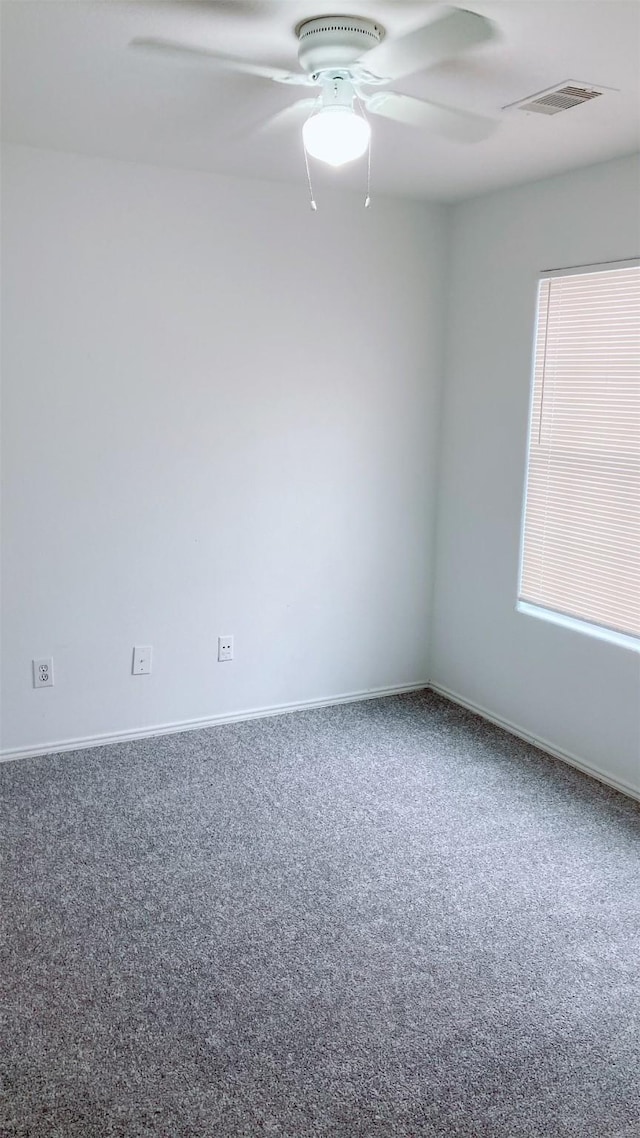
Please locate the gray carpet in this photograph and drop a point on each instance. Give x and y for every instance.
(375, 920)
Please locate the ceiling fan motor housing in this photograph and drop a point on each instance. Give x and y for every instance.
(335, 41)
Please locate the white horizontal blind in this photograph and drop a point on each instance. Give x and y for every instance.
(581, 545)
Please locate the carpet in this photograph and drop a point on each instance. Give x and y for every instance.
(387, 919)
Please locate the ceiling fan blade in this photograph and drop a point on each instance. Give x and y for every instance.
(291, 116)
(442, 39)
(226, 62)
(460, 126)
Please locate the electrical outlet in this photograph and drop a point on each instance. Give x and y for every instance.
(141, 660)
(43, 673)
(225, 648)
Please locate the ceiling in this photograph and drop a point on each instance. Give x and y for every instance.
(70, 82)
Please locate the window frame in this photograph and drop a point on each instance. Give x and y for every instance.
(529, 608)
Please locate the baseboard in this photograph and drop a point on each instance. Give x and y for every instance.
(81, 744)
(542, 744)
(104, 740)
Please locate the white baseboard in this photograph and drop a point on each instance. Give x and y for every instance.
(104, 740)
(80, 744)
(542, 744)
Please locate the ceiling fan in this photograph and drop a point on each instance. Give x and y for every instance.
(349, 59)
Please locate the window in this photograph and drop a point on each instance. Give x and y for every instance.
(581, 534)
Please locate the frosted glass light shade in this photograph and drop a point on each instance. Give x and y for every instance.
(336, 135)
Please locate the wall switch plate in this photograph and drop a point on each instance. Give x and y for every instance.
(141, 660)
(225, 648)
(43, 673)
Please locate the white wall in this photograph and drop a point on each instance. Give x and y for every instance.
(580, 694)
(219, 417)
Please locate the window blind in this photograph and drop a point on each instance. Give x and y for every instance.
(581, 535)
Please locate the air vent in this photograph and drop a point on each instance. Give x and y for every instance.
(557, 99)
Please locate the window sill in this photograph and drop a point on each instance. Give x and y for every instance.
(621, 639)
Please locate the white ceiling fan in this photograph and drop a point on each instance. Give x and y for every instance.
(349, 59)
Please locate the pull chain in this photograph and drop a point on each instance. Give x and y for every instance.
(306, 162)
(367, 200)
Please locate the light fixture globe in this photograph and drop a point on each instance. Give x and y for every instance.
(336, 135)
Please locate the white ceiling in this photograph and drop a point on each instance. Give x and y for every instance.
(70, 82)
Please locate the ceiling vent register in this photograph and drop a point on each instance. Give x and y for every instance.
(558, 99)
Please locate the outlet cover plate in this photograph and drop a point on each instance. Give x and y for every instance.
(43, 673)
(225, 648)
